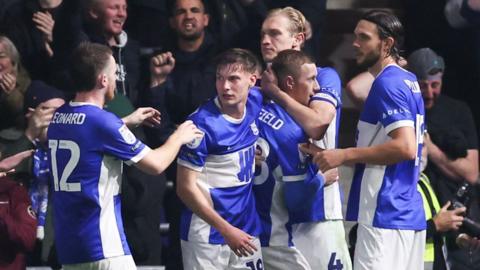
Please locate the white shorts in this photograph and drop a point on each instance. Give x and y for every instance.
(204, 256)
(121, 263)
(323, 244)
(281, 258)
(378, 248)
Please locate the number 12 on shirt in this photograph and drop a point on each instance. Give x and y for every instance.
(72, 147)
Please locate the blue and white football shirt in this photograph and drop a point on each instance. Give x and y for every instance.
(330, 91)
(386, 196)
(87, 148)
(224, 158)
(287, 188)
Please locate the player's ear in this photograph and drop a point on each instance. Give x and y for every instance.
(102, 80)
(299, 39)
(289, 82)
(253, 79)
(388, 44)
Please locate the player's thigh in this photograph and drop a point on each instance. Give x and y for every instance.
(281, 257)
(323, 244)
(387, 249)
(204, 256)
(252, 262)
(417, 251)
(113, 263)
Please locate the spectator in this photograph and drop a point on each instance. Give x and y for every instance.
(13, 84)
(184, 77)
(458, 47)
(7, 165)
(103, 24)
(40, 102)
(439, 220)
(17, 225)
(42, 31)
(452, 145)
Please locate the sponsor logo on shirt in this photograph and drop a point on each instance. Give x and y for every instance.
(414, 86)
(395, 111)
(127, 135)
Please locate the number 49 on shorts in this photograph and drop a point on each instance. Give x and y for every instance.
(255, 266)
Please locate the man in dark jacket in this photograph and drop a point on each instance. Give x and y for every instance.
(104, 21)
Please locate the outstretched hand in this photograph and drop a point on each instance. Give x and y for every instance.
(324, 159)
(8, 164)
(188, 133)
(146, 115)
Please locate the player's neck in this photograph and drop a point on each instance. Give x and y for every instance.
(381, 64)
(90, 97)
(236, 111)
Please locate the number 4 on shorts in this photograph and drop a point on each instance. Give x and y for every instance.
(334, 264)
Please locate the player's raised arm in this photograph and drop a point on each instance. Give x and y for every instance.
(156, 161)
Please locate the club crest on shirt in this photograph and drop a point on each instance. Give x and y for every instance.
(195, 142)
(254, 128)
(127, 135)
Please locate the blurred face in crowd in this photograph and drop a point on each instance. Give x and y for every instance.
(189, 19)
(233, 84)
(110, 16)
(53, 103)
(6, 65)
(306, 84)
(367, 44)
(49, 3)
(431, 89)
(276, 37)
